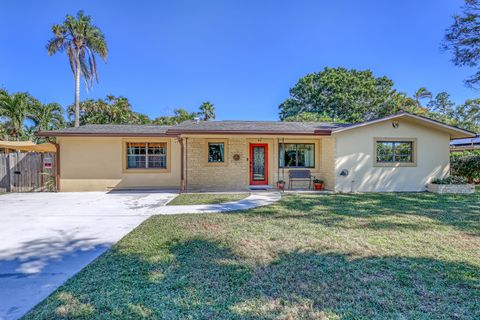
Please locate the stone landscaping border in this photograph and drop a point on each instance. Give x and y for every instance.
(451, 188)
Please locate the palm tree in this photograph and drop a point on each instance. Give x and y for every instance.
(47, 116)
(420, 94)
(15, 109)
(207, 111)
(81, 40)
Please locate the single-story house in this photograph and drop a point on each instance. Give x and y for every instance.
(466, 144)
(402, 152)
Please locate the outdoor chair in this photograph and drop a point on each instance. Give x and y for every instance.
(300, 175)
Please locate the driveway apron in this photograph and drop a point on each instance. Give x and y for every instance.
(45, 238)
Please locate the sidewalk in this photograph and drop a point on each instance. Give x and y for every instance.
(257, 199)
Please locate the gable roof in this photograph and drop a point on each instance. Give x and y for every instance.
(454, 132)
(243, 127)
(199, 127)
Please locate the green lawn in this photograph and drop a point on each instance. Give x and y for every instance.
(206, 198)
(372, 256)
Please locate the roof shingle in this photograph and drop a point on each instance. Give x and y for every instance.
(254, 126)
(272, 127)
(109, 129)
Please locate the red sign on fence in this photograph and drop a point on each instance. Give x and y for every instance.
(48, 162)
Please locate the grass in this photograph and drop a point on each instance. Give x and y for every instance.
(370, 256)
(206, 198)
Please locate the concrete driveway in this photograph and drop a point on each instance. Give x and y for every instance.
(45, 238)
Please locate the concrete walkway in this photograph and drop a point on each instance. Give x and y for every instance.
(256, 199)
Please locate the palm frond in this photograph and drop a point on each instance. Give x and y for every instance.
(71, 57)
(82, 41)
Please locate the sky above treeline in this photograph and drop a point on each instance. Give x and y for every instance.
(243, 56)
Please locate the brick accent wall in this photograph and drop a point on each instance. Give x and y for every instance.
(234, 174)
(202, 175)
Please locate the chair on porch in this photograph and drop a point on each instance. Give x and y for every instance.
(300, 175)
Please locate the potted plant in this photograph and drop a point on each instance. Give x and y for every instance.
(318, 184)
(281, 185)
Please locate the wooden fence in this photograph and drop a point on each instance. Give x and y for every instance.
(27, 172)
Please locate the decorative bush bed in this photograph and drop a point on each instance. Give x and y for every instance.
(466, 164)
(451, 184)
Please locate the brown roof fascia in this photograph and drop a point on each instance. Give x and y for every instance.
(65, 134)
(176, 133)
(243, 132)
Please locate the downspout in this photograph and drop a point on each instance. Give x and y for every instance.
(278, 160)
(182, 164)
(283, 167)
(186, 165)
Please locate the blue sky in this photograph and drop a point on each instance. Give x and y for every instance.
(241, 55)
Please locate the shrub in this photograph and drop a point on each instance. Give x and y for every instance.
(466, 165)
(450, 180)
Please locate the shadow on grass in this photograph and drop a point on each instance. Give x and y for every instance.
(200, 279)
(459, 211)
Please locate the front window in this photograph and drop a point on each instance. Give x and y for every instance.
(216, 152)
(394, 151)
(297, 155)
(141, 155)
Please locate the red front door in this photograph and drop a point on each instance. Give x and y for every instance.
(258, 164)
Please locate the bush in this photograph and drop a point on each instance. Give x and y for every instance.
(466, 165)
(450, 180)
(465, 153)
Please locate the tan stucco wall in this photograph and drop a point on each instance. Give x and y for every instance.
(233, 174)
(97, 164)
(355, 152)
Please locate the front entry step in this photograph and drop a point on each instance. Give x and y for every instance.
(260, 187)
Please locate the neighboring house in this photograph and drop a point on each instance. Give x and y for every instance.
(467, 144)
(402, 152)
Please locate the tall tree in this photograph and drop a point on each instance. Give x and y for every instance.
(47, 116)
(420, 94)
(442, 104)
(81, 40)
(396, 102)
(463, 39)
(14, 110)
(311, 117)
(111, 110)
(179, 115)
(468, 115)
(348, 95)
(3, 128)
(207, 111)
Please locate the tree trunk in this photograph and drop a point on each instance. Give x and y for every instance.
(77, 93)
